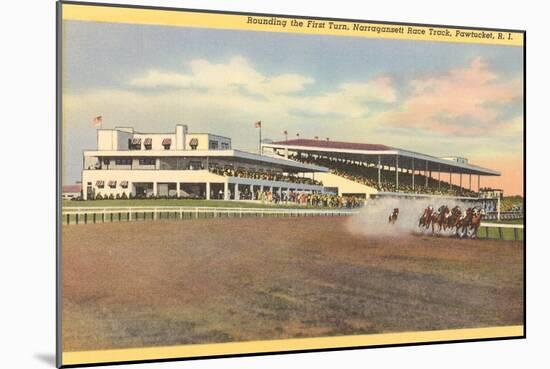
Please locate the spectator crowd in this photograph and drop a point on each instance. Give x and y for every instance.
(368, 175)
(310, 199)
(264, 175)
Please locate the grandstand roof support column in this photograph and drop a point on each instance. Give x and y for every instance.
(439, 178)
(478, 182)
(451, 179)
(426, 173)
(379, 169)
(413, 173)
(396, 172)
(470, 182)
(460, 180)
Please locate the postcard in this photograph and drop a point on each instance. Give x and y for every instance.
(237, 184)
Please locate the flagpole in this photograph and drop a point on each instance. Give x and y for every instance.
(260, 140)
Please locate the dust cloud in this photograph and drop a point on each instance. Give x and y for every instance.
(373, 218)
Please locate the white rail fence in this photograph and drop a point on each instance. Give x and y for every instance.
(499, 231)
(87, 215)
(504, 215)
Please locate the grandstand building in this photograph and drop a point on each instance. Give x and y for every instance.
(364, 170)
(182, 164)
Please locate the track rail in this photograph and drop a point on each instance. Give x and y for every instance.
(92, 214)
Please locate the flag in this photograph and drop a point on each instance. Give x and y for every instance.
(285, 132)
(97, 121)
(297, 135)
(258, 124)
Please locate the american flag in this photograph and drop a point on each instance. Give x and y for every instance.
(258, 124)
(97, 121)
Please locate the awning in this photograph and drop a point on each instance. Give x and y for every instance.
(167, 141)
(148, 142)
(136, 141)
(112, 184)
(100, 183)
(123, 184)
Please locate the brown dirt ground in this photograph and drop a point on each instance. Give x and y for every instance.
(219, 280)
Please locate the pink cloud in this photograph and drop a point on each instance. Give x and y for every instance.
(464, 96)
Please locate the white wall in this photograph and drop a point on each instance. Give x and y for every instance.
(345, 186)
(158, 176)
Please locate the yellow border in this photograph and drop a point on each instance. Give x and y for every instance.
(241, 22)
(188, 351)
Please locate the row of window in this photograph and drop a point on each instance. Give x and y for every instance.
(126, 161)
(111, 184)
(135, 143)
(214, 145)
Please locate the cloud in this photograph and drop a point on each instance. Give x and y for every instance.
(236, 74)
(233, 90)
(461, 101)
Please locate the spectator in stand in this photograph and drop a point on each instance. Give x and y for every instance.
(368, 175)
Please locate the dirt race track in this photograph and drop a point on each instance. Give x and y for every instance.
(219, 280)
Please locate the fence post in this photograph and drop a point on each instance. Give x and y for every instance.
(486, 232)
(515, 234)
(500, 233)
(77, 216)
(68, 218)
(94, 218)
(197, 213)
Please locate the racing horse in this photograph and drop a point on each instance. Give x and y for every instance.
(393, 216)
(454, 217)
(426, 218)
(440, 218)
(477, 215)
(469, 223)
(464, 223)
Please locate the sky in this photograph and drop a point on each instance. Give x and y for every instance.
(437, 98)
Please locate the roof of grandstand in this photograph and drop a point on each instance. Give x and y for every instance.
(334, 144)
(370, 152)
